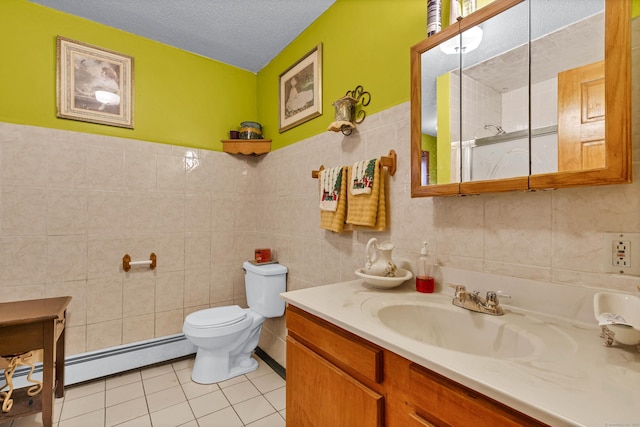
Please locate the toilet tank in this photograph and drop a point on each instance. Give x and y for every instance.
(263, 284)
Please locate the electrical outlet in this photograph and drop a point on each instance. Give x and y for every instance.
(622, 253)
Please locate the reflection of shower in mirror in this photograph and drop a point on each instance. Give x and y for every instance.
(498, 128)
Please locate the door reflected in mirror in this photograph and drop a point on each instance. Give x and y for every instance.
(567, 85)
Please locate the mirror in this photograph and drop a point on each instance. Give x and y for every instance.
(525, 108)
(495, 99)
(440, 126)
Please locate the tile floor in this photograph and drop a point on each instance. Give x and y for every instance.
(165, 396)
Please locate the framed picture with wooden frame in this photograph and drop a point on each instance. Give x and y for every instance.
(301, 90)
(94, 84)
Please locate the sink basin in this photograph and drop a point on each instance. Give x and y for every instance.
(435, 321)
(619, 314)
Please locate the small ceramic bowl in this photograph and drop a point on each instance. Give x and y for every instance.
(620, 314)
(381, 282)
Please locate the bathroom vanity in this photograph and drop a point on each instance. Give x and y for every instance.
(355, 358)
(364, 384)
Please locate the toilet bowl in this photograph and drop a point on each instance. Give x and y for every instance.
(227, 336)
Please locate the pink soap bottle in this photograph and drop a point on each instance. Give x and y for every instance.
(424, 272)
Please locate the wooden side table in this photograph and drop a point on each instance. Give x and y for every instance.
(33, 325)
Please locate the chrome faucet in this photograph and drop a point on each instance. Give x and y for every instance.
(474, 302)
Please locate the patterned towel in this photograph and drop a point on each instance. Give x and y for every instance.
(362, 177)
(369, 210)
(334, 221)
(330, 183)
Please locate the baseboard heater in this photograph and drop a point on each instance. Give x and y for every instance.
(101, 363)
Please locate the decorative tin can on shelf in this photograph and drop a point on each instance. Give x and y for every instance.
(250, 130)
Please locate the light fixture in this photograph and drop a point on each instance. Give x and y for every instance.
(471, 39)
(345, 120)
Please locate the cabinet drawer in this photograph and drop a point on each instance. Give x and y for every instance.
(349, 352)
(418, 421)
(444, 402)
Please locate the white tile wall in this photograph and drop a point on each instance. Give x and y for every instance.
(71, 205)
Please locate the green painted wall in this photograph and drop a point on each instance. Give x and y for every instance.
(180, 98)
(186, 99)
(365, 42)
(443, 107)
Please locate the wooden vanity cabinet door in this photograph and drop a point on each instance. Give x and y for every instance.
(319, 394)
(439, 401)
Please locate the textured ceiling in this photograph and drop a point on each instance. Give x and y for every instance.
(245, 33)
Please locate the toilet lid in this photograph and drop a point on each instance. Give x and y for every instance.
(216, 317)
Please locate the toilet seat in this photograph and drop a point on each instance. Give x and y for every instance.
(216, 317)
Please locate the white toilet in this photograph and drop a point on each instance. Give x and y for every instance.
(227, 336)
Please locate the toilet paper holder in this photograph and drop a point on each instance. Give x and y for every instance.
(127, 263)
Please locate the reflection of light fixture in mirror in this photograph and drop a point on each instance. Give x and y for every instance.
(108, 98)
(470, 41)
(345, 121)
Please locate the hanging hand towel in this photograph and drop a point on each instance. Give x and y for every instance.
(381, 214)
(330, 183)
(334, 221)
(367, 210)
(363, 176)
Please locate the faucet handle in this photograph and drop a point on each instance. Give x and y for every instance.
(492, 297)
(459, 290)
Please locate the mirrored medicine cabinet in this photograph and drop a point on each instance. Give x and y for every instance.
(514, 97)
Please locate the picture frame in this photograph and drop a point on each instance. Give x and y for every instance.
(300, 88)
(93, 84)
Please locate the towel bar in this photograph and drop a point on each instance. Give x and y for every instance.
(388, 161)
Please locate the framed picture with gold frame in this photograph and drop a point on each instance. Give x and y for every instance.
(94, 84)
(301, 90)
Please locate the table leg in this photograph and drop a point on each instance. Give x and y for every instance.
(60, 362)
(47, 373)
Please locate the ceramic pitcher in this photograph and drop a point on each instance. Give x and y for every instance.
(378, 260)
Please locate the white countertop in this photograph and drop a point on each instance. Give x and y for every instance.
(578, 383)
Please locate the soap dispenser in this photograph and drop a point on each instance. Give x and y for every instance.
(424, 272)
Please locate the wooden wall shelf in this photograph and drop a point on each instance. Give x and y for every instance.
(246, 146)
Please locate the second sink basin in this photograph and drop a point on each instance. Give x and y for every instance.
(435, 321)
